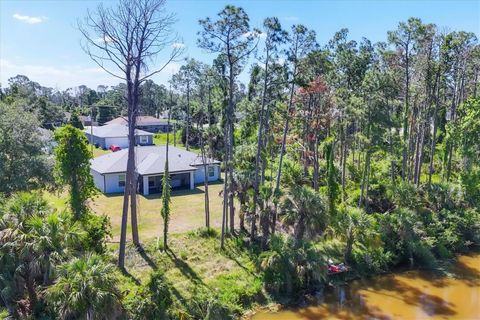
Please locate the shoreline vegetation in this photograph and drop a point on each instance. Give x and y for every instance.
(351, 153)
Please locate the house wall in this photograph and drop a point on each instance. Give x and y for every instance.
(199, 174)
(98, 180)
(149, 140)
(96, 140)
(122, 142)
(111, 183)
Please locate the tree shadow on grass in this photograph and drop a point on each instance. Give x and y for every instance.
(143, 253)
(184, 267)
(130, 276)
(232, 253)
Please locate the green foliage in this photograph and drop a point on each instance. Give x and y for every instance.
(34, 240)
(72, 167)
(405, 237)
(23, 163)
(292, 174)
(151, 300)
(332, 184)
(86, 287)
(305, 209)
(165, 211)
(470, 181)
(204, 233)
(290, 267)
(406, 195)
(75, 120)
(97, 229)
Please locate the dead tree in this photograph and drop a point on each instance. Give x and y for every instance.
(123, 40)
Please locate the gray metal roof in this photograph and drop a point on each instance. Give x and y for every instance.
(113, 131)
(150, 160)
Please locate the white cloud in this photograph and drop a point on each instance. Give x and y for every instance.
(28, 19)
(66, 76)
(178, 45)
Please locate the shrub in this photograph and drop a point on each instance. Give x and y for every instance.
(97, 230)
(291, 267)
(152, 300)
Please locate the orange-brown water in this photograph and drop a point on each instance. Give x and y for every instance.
(406, 295)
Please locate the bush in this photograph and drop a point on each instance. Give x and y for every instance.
(152, 300)
(97, 230)
(291, 267)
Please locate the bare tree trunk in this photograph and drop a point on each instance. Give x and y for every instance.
(285, 132)
(316, 174)
(225, 189)
(187, 127)
(434, 134)
(344, 160)
(230, 117)
(259, 137)
(406, 113)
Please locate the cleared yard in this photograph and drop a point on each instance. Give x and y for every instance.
(187, 210)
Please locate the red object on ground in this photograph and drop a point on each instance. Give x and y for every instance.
(114, 148)
(333, 268)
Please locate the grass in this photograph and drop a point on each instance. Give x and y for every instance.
(161, 139)
(99, 152)
(187, 210)
(194, 265)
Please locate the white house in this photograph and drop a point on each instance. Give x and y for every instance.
(186, 169)
(116, 134)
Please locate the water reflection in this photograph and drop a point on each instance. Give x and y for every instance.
(453, 294)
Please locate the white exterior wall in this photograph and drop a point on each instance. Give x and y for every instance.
(122, 142)
(200, 176)
(98, 180)
(111, 183)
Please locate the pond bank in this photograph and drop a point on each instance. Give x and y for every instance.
(450, 293)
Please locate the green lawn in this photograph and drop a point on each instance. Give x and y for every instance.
(187, 210)
(99, 152)
(161, 139)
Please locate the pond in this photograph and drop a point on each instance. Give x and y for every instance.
(417, 294)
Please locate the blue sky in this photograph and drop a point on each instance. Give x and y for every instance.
(40, 39)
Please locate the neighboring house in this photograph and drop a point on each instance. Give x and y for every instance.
(186, 169)
(147, 123)
(116, 134)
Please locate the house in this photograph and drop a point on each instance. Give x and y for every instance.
(147, 123)
(115, 134)
(186, 169)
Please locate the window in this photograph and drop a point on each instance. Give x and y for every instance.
(121, 180)
(151, 182)
(143, 139)
(211, 171)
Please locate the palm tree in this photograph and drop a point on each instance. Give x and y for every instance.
(305, 210)
(242, 183)
(353, 225)
(19, 264)
(51, 238)
(85, 288)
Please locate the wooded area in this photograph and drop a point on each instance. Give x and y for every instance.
(364, 153)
